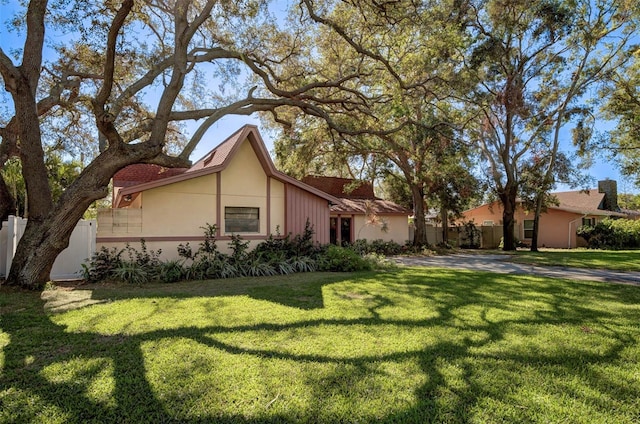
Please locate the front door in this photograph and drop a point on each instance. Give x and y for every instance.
(345, 230)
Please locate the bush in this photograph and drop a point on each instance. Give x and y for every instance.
(171, 271)
(276, 255)
(343, 259)
(612, 234)
(379, 246)
(131, 272)
(102, 264)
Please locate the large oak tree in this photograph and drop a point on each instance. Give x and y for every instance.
(135, 71)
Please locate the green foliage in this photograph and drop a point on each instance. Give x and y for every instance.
(275, 256)
(629, 201)
(238, 249)
(472, 236)
(102, 264)
(171, 271)
(131, 272)
(343, 259)
(612, 234)
(378, 246)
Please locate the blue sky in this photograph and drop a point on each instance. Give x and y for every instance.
(600, 170)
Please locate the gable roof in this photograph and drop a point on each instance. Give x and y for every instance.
(590, 202)
(355, 196)
(217, 160)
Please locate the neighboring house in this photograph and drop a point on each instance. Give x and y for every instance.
(235, 186)
(559, 223)
(359, 214)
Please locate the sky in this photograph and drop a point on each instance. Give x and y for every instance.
(218, 132)
(601, 169)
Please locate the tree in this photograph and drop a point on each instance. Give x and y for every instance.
(623, 107)
(139, 70)
(534, 63)
(408, 56)
(629, 201)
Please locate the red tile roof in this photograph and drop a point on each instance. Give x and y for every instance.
(143, 173)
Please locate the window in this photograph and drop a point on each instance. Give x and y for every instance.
(588, 222)
(487, 223)
(528, 228)
(241, 220)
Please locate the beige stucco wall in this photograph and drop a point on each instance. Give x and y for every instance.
(173, 214)
(397, 225)
(179, 209)
(170, 248)
(557, 227)
(244, 184)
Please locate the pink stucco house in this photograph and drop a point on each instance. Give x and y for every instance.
(559, 223)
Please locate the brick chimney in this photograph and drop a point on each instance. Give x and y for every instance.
(610, 189)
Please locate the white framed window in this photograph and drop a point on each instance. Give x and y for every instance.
(528, 228)
(241, 219)
(487, 223)
(589, 222)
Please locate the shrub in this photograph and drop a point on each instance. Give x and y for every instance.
(343, 259)
(101, 264)
(378, 246)
(131, 272)
(472, 236)
(171, 271)
(612, 234)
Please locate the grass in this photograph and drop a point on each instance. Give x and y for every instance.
(617, 260)
(409, 346)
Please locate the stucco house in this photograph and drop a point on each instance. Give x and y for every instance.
(559, 223)
(235, 186)
(359, 214)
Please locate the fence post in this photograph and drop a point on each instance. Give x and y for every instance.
(12, 240)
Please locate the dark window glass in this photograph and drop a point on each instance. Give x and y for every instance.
(241, 220)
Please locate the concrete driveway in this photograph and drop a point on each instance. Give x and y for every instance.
(502, 264)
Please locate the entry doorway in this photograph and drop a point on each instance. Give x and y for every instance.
(340, 230)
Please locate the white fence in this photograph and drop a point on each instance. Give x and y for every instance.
(68, 264)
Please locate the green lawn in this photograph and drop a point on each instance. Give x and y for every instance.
(409, 346)
(619, 260)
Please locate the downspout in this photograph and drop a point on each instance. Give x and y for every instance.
(571, 222)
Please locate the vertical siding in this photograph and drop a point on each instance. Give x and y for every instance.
(302, 206)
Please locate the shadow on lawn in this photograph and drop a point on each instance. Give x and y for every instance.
(35, 342)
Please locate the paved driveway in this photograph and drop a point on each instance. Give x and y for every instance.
(501, 264)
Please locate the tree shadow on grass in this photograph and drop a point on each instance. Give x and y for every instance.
(303, 291)
(36, 343)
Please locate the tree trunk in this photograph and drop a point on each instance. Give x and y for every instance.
(420, 233)
(44, 239)
(536, 222)
(508, 197)
(445, 226)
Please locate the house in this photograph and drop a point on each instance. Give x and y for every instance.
(559, 223)
(235, 186)
(359, 214)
